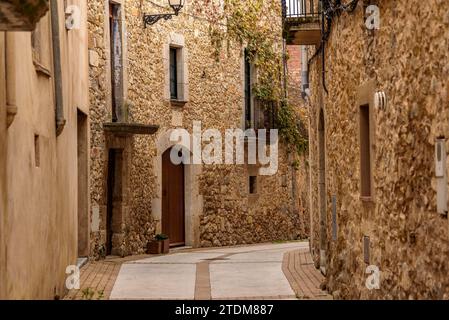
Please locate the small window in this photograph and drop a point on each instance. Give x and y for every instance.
(37, 156)
(252, 184)
(365, 152)
(116, 60)
(174, 74)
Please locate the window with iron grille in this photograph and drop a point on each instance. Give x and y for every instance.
(248, 98)
(116, 60)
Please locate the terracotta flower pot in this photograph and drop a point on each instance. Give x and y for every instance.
(165, 246)
(154, 247)
(159, 246)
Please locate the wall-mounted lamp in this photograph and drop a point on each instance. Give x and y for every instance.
(176, 5)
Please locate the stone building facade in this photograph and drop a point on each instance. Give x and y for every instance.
(132, 116)
(373, 165)
(44, 129)
(294, 75)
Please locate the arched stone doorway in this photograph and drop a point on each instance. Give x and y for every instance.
(322, 189)
(193, 202)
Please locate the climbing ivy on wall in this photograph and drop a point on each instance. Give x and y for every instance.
(257, 25)
(291, 128)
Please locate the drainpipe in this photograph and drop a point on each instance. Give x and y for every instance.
(311, 203)
(305, 92)
(57, 71)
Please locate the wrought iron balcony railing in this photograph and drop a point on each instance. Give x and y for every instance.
(302, 21)
(297, 9)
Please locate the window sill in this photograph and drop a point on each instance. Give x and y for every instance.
(40, 69)
(178, 103)
(253, 198)
(367, 199)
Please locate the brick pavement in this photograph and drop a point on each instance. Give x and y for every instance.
(304, 278)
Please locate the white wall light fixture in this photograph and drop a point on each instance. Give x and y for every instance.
(380, 100)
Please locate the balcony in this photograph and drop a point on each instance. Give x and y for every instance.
(302, 21)
(21, 15)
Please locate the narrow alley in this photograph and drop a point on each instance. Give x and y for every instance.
(207, 150)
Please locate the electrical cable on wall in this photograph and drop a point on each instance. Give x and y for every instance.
(330, 9)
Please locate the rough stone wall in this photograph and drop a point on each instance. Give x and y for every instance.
(231, 216)
(99, 113)
(294, 73)
(225, 216)
(406, 58)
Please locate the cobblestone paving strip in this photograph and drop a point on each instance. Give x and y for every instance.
(304, 278)
(202, 286)
(203, 290)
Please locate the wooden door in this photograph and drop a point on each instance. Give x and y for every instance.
(173, 213)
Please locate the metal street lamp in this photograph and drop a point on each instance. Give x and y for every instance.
(176, 5)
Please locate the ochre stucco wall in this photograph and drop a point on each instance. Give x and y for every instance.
(3, 197)
(39, 225)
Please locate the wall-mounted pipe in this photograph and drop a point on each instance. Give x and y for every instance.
(57, 70)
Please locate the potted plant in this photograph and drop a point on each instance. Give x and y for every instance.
(160, 244)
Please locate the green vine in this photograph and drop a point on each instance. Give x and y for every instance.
(291, 128)
(257, 24)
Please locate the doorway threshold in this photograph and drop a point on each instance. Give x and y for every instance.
(177, 249)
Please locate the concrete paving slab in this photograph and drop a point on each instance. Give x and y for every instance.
(155, 282)
(240, 280)
(258, 256)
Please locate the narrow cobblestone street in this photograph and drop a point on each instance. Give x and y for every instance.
(267, 271)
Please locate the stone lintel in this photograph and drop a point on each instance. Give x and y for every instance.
(120, 128)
